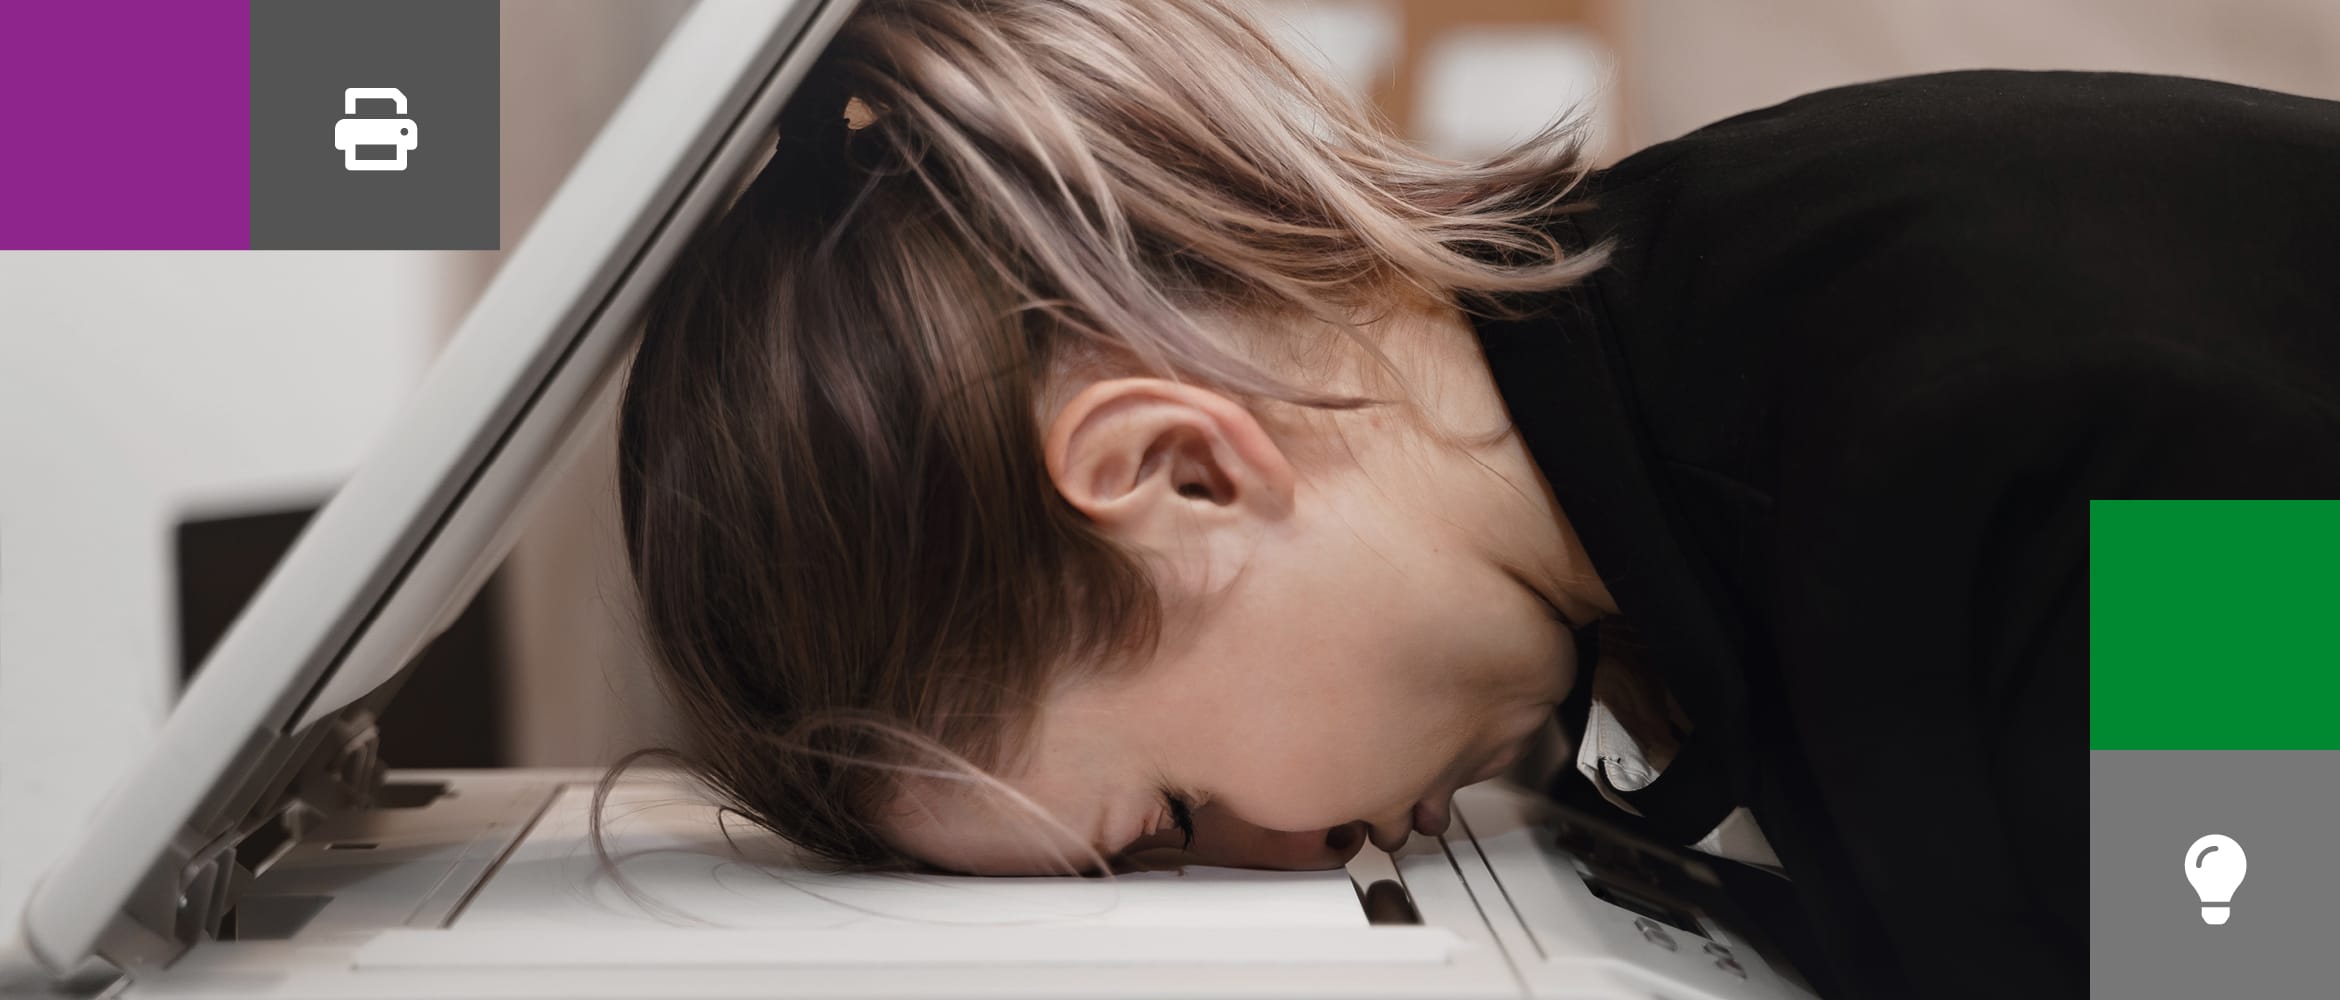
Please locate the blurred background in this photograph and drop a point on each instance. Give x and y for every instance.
(169, 420)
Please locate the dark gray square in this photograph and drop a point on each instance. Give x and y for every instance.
(307, 57)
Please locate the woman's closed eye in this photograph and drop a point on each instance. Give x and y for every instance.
(1181, 817)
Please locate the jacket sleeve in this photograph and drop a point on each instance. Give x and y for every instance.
(1932, 635)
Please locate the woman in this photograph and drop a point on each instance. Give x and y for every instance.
(1091, 435)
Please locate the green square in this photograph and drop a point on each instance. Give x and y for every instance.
(2214, 624)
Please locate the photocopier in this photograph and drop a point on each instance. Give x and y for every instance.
(264, 849)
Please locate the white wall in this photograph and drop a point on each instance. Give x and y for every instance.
(135, 387)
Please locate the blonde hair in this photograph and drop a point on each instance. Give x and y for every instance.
(852, 562)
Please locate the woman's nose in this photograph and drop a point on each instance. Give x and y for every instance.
(1390, 832)
(1429, 817)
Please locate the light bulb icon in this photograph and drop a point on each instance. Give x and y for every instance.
(2215, 865)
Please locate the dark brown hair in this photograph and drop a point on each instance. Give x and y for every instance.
(852, 562)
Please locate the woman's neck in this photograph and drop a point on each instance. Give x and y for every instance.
(1455, 456)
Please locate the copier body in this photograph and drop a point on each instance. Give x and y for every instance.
(428, 897)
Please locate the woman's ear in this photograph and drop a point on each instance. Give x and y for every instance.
(1153, 462)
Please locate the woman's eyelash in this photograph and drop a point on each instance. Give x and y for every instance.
(1181, 817)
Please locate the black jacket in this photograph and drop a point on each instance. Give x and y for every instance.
(1829, 423)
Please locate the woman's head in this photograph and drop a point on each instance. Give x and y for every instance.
(1010, 453)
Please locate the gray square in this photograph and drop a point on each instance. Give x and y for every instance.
(327, 178)
(2146, 936)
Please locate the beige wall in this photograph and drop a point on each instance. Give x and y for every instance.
(1690, 62)
(575, 689)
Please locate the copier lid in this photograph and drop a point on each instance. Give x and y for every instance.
(401, 548)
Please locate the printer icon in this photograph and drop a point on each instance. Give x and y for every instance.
(374, 135)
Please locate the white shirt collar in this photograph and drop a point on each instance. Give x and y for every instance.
(1608, 746)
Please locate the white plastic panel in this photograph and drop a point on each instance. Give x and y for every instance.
(1566, 941)
(975, 949)
(1450, 878)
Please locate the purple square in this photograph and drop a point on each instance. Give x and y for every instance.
(125, 125)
